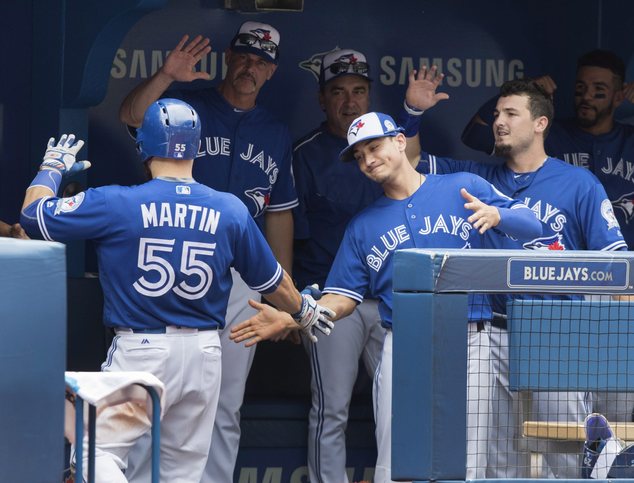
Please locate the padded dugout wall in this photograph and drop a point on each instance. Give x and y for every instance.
(32, 360)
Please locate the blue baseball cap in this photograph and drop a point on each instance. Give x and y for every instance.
(369, 126)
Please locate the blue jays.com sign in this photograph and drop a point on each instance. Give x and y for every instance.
(558, 275)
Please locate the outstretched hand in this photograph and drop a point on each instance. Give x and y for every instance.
(268, 323)
(421, 89)
(179, 64)
(62, 156)
(484, 216)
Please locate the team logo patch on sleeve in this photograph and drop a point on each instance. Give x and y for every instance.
(626, 204)
(261, 197)
(66, 205)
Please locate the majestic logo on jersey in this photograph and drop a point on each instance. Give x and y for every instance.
(354, 129)
(553, 242)
(626, 204)
(66, 205)
(313, 63)
(261, 197)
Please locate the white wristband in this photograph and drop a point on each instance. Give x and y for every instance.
(412, 111)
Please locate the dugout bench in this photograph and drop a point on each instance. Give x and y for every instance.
(430, 342)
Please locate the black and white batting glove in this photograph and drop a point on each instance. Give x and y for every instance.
(62, 156)
(312, 316)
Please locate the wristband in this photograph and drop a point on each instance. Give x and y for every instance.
(412, 111)
(409, 120)
(48, 178)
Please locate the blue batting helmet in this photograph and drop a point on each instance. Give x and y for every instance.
(170, 129)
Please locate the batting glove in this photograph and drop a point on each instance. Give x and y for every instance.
(312, 316)
(61, 156)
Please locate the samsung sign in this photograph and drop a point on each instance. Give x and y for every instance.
(549, 274)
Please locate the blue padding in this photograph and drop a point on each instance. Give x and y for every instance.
(429, 386)
(513, 271)
(32, 359)
(571, 345)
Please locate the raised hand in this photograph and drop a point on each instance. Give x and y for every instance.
(628, 92)
(484, 216)
(179, 64)
(62, 156)
(546, 83)
(421, 89)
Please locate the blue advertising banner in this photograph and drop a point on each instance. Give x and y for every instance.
(550, 274)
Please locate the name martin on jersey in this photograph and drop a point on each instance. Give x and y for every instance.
(216, 145)
(180, 215)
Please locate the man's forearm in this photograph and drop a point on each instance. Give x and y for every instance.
(138, 100)
(279, 235)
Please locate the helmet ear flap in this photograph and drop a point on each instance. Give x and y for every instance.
(170, 129)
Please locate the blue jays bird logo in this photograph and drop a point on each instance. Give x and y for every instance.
(553, 242)
(347, 59)
(313, 63)
(261, 197)
(354, 129)
(626, 204)
(261, 33)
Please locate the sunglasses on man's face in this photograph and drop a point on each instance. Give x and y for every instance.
(343, 67)
(266, 45)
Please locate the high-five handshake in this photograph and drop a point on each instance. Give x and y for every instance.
(269, 322)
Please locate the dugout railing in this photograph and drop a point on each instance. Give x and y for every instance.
(430, 341)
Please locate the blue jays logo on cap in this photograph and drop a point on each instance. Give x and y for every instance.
(257, 38)
(369, 126)
(343, 62)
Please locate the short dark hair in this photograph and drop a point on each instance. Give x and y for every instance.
(606, 59)
(540, 102)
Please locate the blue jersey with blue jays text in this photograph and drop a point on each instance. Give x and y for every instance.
(164, 248)
(570, 202)
(433, 217)
(247, 153)
(609, 156)
(330, 192)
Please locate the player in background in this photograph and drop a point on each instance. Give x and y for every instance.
(165, 249)
(592, 139)
(416, 211)
(246, 151)
(575, 213)
(330, 193)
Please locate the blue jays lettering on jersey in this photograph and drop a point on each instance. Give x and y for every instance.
(609, 156)
(433, 217)
(247, 153)
(176, 266)
(330, 193)
(570, 202)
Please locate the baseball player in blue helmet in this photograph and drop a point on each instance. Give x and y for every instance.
(165, 249)
(246, 151)
(579, 217)
(415, 211)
